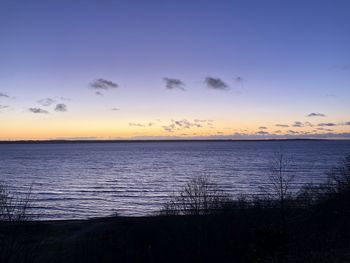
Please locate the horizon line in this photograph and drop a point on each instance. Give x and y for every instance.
(161, 140)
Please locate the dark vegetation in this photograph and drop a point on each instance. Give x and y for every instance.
(203, 224)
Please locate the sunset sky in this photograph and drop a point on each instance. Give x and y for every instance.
(174, 69)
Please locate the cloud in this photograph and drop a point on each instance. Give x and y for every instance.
(282, 125)
(169, 128)
(136, 124)
(292, 132)
(323, 129)
(114, 109)
(329, 124)
(207, 121)
(314, 114)
(3, 107)
(2, 94)
(299, 124)
(246, 136)
(262, 133)
(61, 107)
(141, 124)
(178, 125)
(37, 110)
(215, 83)
(186, 124)
(174, 84)
(46, 102)
(103, 84)
(263, 128)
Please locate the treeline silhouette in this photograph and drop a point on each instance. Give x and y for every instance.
(202, 223)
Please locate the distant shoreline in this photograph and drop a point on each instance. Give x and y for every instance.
(152, 141)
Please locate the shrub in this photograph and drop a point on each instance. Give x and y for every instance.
(199, 197)
(13, 207)
(339, 177)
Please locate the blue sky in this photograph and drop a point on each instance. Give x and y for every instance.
(280, 61)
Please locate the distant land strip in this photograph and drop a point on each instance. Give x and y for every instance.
(150, 141)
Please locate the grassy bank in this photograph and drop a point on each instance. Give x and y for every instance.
(249, 235)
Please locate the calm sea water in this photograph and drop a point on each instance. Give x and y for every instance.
(80, 180)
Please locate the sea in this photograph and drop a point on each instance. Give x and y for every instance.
(79, 180)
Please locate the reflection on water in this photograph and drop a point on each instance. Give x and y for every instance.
(79, 180)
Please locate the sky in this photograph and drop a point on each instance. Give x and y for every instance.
(174, 69)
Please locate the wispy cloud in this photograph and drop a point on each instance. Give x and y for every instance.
(171, 83)
(324, 129)
(206, 121)
(299, 124)
(178, 125)
(4, 107)
(169, 128)
(46, 102)
(316, 114)
(115, 109)
(282, 125)
(38, 110)
(262, 128)
(61, 107)
(246, 136)
(262, 133)
(136, 124)
(150, 124)
(329, 124)
(186, 124)
(346, 123)
(2, 94)
(215, 83)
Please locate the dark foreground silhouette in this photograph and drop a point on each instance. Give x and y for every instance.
(197, 226)
(245, 236)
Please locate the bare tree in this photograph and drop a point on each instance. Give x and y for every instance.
(280, 181)
(199, 197)
(14, 207)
